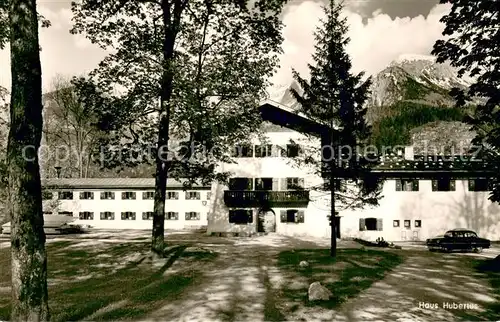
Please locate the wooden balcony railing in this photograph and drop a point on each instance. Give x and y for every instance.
(260, 198)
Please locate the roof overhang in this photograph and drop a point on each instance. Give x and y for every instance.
(282, 115)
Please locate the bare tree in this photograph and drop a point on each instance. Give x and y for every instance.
(69, 128)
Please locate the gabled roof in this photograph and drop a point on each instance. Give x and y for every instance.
(283, 115)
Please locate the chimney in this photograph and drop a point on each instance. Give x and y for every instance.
(409, 153)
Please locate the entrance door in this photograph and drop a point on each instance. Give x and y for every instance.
(267, 221)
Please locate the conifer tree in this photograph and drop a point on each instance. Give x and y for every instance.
(335, 97)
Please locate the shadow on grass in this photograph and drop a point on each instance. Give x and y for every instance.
(130, 292)
(489, 269)
(352, 271)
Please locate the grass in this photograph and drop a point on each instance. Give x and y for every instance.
(489, 270)
(112, 282)
(352, 271)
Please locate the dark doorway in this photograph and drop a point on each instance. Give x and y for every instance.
(266, 221)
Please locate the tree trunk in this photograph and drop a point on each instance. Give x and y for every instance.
(162, 165)
(333, 238)
(29, 259)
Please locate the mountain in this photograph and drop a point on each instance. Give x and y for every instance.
(409, 104)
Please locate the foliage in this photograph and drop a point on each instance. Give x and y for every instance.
(471, 45)
(394, 130)
(220, 67)
(335, 97)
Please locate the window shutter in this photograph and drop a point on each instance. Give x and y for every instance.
(301, 183)
(198, 216)
(250, 216)
(176, 215)
(300, 150)
(275, 151)
(399, 185)
(361, 224)
(471, 184)
(258, 151)
(283, 215)
(186, 216)
(275, 184)
(379, 224)
(281, 151)
(249, 184)
(186, 195)
(198, 195)
(415, 185)
(434, 185)
(300, 216)
(452, 185)
(283, 184)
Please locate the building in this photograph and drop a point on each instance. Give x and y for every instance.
(423, 196)
(125, 203)
(269, 191)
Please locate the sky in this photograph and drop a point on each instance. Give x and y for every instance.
(380, 31)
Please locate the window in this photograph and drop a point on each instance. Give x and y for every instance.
(172, 195)
(65, 213)
(128, 195)
(240, 216)
(370, 224)
(395, 223)
(407, 223)
(47, 195)
(107, 215)
(443, 184)
(418, 223)
(242, 151)
(86, 215)
(170, 215)
(292, 150)
(339, 185)
(148, 195)
(264, 183)
(479, 184)
(294, 183)
(470, 234)
(240, 184)
(107, 195)
(147, 215)
(128, 215)
(192, 215)
(86, 195)
(407, 185)
(193, 195)
(262, 151)
(292, 216)
(65, 195)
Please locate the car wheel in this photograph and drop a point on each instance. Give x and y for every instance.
(478, 249)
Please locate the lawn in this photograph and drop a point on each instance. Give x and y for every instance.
(110, 281)
(352, 271)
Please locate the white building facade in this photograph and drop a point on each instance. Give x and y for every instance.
(125, 203)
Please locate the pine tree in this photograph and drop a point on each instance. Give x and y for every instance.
(335, 97)
(472, 47)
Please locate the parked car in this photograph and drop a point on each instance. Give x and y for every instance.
(458, 239)
(57, 224)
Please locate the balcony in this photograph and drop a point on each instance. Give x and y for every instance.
(262, 198)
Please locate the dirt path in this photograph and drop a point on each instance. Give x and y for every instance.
(419, 289)
(242, 284)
